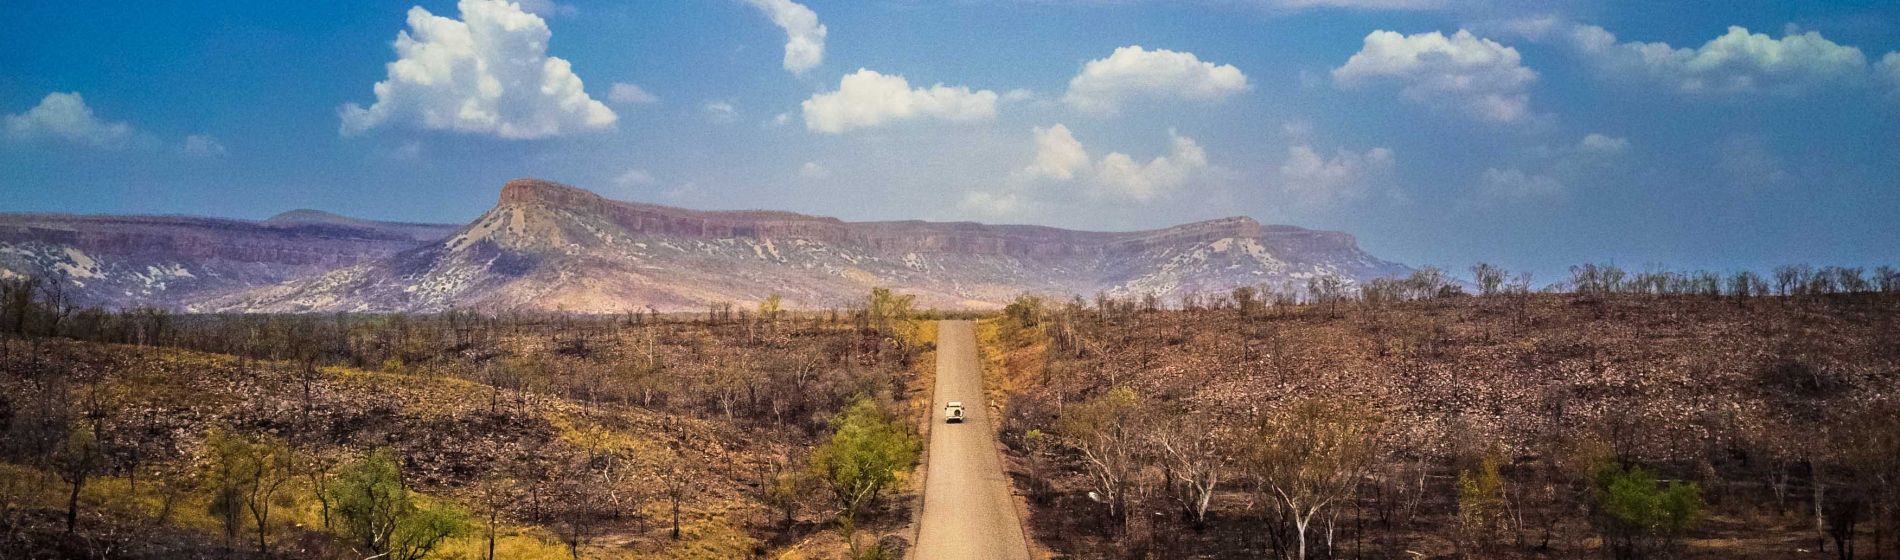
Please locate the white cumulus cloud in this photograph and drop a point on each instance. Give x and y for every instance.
(1313, 178)
(1125, 178)
(868, 99)
(1115, 178)
(1133, 72)
(804, 36)
(813, 170)
(630, 94)
(487, 73)
(1464, 71)
(65, 116)
(1738, 62)
(1060, 157)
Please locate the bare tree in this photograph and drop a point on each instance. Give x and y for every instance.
(1489, 277)
(1747, 284)
(677, 482)
(1246, 300)
(1327, 289)
(1102, 431)
(1193, 450)
(496, 492)
(1887, 279)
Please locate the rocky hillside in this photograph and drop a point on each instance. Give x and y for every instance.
(546, 246)
(1755, 400)
(170, 261)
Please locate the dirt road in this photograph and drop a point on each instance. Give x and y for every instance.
(968, 510)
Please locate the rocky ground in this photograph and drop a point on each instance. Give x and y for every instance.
(1743, 397)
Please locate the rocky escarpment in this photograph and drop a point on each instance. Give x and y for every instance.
(964, 238)
(652, 219)
(170, 261)
(553, 247)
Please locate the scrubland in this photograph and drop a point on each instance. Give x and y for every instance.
(1516, 425)
(141, 434)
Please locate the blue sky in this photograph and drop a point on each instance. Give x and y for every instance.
(1694, 135)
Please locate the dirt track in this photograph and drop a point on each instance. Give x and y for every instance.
(968, 510)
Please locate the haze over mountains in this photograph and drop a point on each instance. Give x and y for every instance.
(173, 261)
(549, 247)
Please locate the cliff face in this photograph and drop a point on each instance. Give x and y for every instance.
(964, 238)
(169, 261)
(550, 246)
(662, 220)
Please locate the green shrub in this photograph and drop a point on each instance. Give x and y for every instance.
(377, 510)
(1640, 516)
(867, 451)
(1481, 507)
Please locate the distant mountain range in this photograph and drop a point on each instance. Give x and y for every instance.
(547, 246)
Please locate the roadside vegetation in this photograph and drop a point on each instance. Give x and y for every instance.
(1613, 414)
(734, 433)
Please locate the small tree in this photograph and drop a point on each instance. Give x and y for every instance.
(497, 491)
(886, 306)
(316, 470)
(1639, 516)
(769, 308)
(377, 511)
(1194, 451)
(580, 496)
(76, 460)
(1489, 277)
(864, 455)
(1102, 430)
(788, 489)
(1887, 279)
(1025, 311)
(1481, 504)
(1328, 290)
(678, 482)
(1311, 455)
(248, 475)
(1247, 300)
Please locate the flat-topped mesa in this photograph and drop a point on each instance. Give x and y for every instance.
(549, 193)
(899, 237)
(1302, 240)
(665, 220)
(1235, 227)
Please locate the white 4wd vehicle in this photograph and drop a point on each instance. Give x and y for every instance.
(953, 412)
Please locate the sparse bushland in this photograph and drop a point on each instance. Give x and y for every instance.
(442, 436)
(1655, 415)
